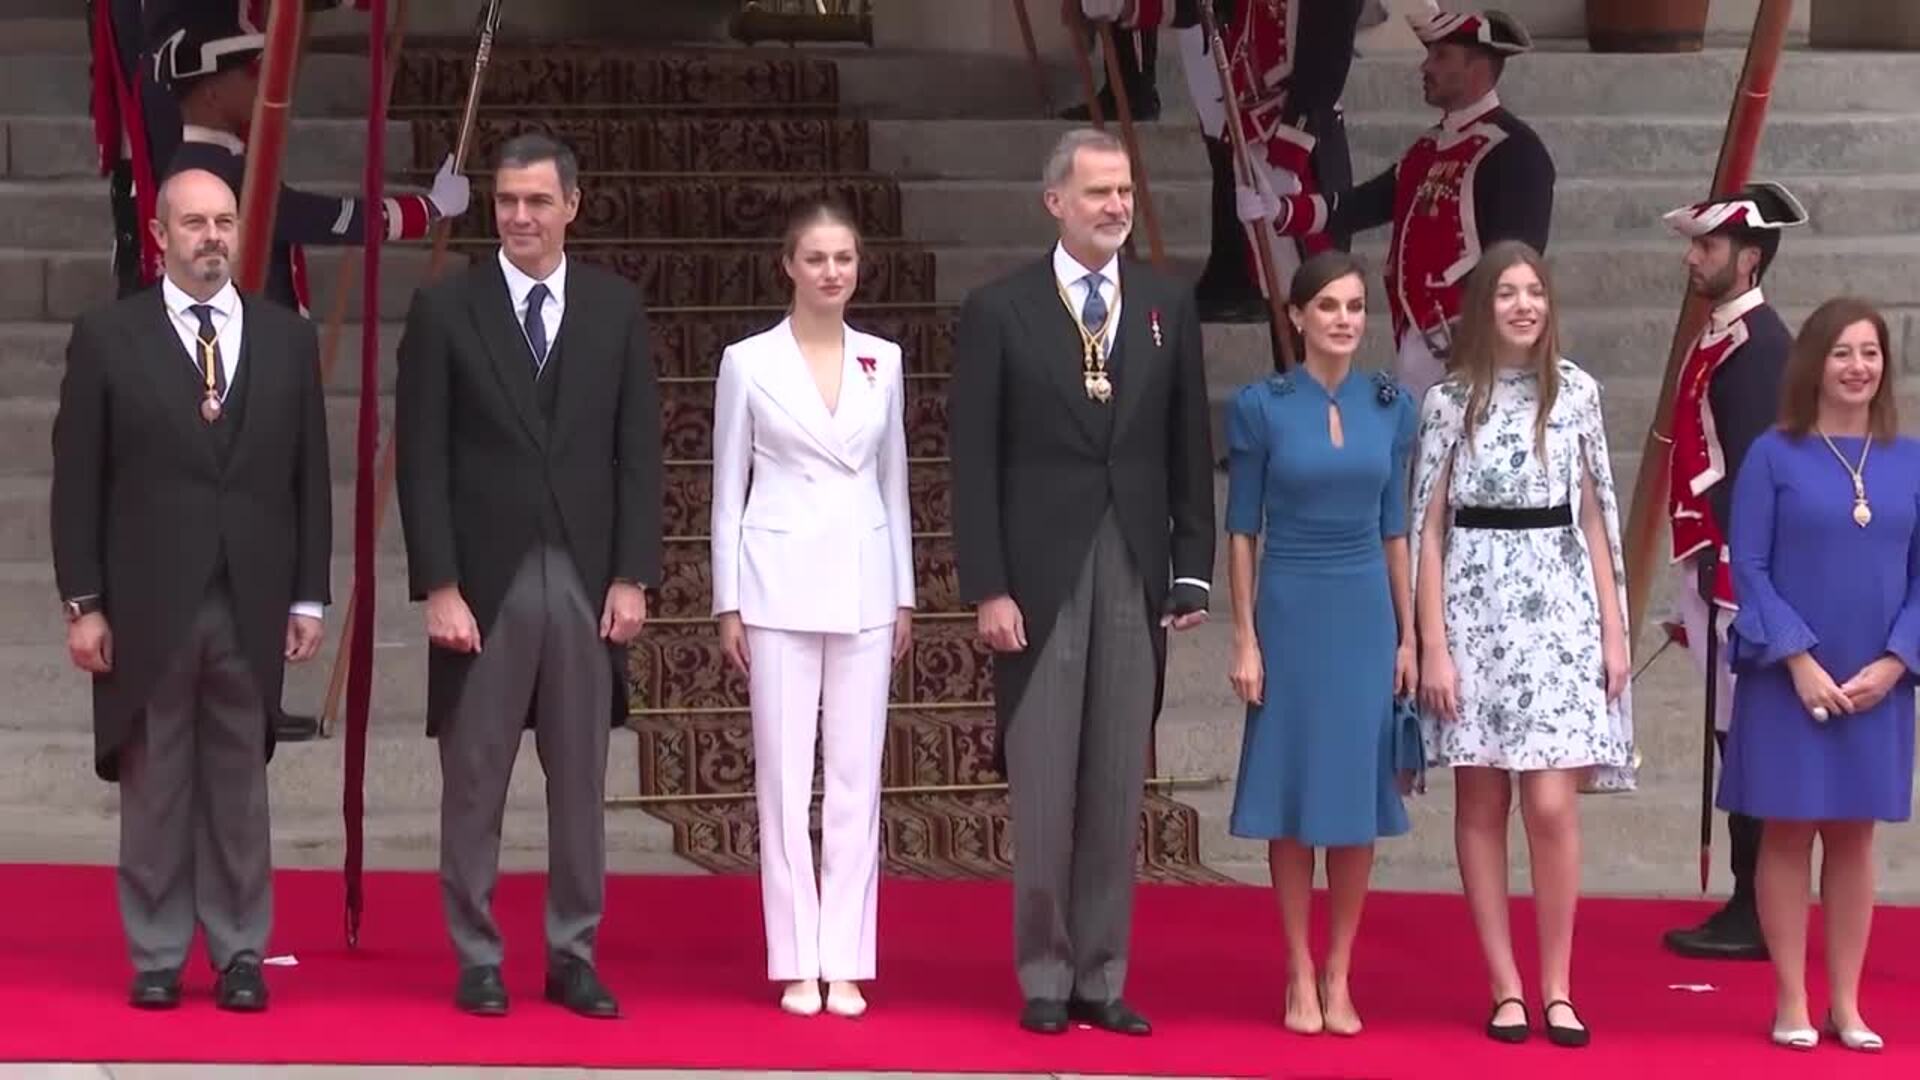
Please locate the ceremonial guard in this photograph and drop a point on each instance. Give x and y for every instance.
(1476, 178)
(138, 124)
(1728, 396)
(1288, 61)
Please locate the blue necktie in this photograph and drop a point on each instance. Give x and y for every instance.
(536, 326)
(1093, 314)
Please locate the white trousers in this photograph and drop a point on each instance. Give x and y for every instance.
(1416, 367)
(801, 683)
(1693, 615)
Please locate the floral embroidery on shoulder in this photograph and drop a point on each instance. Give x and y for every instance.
(1386, 389)
(1280, 383)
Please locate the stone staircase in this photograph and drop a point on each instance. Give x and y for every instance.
(956, 137)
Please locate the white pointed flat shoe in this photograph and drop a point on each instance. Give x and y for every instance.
(801, 998)
(1796, 1038)
(1862, 1039)
(844, 999)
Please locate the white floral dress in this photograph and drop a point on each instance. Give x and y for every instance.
(1522, 617)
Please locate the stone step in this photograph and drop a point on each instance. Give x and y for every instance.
(30, 614)
(995, 212)
(319, 149)
(26, 432)
(59, 84)
(24, 520)
(1636, 270)
(1581, 145)
(40, 771)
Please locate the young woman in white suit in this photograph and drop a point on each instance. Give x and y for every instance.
(813, 588)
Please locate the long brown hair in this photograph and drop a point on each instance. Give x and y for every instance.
(1477, 340)
(1807, 369)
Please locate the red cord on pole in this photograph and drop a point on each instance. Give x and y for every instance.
(360, 661)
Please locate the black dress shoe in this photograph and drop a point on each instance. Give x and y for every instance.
(242, 986)
(1732, 933)
(1143, 105)
(1512, 1034)
(1572, 1037)
(1115, 1016)
(572, 983)
(1232, 309)
(155, 990)
(1043, 1017)
(481, 993)
(289, 727)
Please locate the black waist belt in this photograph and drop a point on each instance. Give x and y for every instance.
(1513, 517)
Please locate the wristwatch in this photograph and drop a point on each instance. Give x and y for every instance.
(80, 606)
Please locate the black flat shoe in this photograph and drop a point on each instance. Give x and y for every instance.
(1512, 1034)
(242, 986)
(155, 990)
(481, 993)
(1572, 1037)
(1043, 1017)
(572, 983)
(1115, 1016)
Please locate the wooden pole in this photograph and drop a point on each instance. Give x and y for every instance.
(1745, 123)
(1282, 342)
(267, 142)
(1033, 58)
(1156, 249)
(389, 463)
(1076, 33)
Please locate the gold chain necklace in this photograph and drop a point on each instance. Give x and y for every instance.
(1862, 513)
(1099, 385)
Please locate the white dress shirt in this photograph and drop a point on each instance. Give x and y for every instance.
(520, 285)
(1458, 119)
(1071, 276)
(229, 324)
(1724, 316)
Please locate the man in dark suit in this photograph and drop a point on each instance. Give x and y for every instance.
(530, 485)
(191, 535)
(1083, 519)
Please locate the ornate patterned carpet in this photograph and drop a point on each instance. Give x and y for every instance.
(691, 159)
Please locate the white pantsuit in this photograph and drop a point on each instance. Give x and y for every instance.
(812, 546)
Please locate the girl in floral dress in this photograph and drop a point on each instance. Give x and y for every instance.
(1521, 604)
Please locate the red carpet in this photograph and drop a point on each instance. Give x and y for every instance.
(685, 956)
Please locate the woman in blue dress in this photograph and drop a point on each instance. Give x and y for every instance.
(1318, 462)
(1825, 544)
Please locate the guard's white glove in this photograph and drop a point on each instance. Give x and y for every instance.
(1103, 10)
(451, 190)
(1254, 205)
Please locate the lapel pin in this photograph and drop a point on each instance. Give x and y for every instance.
(868, 364)
(1153, 321)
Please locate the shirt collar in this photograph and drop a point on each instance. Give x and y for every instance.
(224, 303)
(1734, 310)
(195, 133)
(520, 283)
(1458, 119)
(1069, 271)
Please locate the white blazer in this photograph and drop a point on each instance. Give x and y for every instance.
(811, 531)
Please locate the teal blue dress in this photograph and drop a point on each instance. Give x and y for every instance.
(1318, 756)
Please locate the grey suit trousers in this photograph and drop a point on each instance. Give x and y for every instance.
(543, 652)
(195, 847)
(1076, 766)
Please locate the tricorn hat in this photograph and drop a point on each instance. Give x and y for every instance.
(1762, 205)
(192, 39)
(1494, 31)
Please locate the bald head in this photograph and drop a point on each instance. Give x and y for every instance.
(196, 222)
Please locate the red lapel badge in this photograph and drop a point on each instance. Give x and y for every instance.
(1153, 321)
(868, 364)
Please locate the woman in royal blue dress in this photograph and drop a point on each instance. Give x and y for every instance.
(1318, 462)
(1826, 562)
